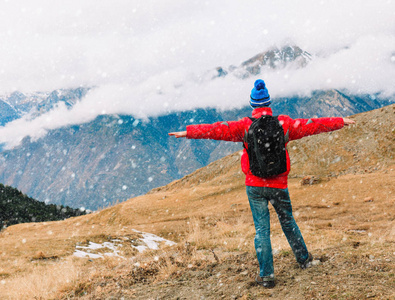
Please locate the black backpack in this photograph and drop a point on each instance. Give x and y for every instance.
(265, 145)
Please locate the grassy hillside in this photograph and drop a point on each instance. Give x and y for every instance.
(347, 220)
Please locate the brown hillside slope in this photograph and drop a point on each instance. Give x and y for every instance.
(347, 220)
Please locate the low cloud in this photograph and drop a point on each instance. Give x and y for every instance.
(150, 57)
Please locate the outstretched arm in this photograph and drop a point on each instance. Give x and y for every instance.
(231, 131)
(178, 134)
(304, 127)
(183, 134)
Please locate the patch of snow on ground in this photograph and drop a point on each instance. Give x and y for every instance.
(148, 241)
(87, 250)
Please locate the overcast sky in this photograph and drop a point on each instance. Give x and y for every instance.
(148, 57)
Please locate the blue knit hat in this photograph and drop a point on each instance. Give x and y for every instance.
(259, 95)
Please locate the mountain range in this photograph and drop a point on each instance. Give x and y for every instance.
(116, 157)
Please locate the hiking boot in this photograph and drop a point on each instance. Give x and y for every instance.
(307, 262)
(267, 282)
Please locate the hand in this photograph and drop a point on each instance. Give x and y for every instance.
(348, 121)
(178, 134)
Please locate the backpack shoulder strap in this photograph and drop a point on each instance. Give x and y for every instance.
(246, 133)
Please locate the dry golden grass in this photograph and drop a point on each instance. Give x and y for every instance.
(42, 280)
(354, 210)
(351, 221)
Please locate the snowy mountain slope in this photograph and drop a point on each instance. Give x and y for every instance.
(34, 104)
(7, 113)
(274, 59)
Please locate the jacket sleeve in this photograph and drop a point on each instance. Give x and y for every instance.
(232, 131)
(299, 128)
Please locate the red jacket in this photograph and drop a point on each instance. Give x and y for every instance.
(234, 131)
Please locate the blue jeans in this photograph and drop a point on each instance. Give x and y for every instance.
(279, 198)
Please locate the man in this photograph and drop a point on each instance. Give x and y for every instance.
(273, 189)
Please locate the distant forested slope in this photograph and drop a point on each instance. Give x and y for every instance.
(15, 208)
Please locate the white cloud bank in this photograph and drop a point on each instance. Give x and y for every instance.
(146, 57)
